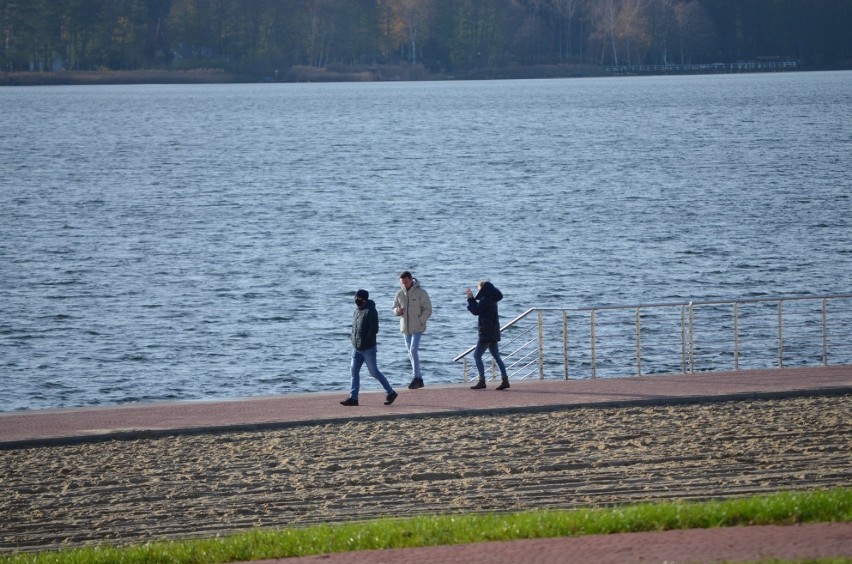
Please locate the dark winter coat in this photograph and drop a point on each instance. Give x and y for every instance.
(365, 326)
(484, 305)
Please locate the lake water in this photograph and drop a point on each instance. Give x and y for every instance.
(171, 242)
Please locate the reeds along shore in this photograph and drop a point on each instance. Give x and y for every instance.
(202, 485)
(337, 73)
(65, 78)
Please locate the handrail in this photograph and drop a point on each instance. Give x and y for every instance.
(691, 350)
(693, 302)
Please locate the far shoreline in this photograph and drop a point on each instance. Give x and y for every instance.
(302, 74)
(299, 74)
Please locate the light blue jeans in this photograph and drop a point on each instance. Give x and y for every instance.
(495, 353)
(367, 356)
(412, 342)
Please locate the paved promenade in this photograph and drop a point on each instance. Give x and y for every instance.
(68, 426)
(63, 426)
(736, 544)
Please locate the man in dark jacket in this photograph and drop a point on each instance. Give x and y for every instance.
(365, 327)
(484, 306)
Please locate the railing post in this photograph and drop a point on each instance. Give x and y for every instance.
(540, 345)
(593, 343)
(565, 341)
(464, 369)
(780, 334)
(691, 339)
(825, 331)
(736, 337)
(683, 339)
(638, 345)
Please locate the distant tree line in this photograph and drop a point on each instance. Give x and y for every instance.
(262, 37)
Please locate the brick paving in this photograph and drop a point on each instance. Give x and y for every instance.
(734, 544)
(63, 426)
(66, 426)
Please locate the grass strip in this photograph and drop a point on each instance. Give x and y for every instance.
(781, 508)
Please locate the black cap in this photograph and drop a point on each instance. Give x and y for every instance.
(362, 294)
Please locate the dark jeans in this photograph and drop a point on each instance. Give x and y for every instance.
(495, 353)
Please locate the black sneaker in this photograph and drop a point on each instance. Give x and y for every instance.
(391, 396)
(416, 384)
(349, 401)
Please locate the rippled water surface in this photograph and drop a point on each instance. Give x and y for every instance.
(205, 241)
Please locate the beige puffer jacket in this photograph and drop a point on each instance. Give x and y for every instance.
(417, 308)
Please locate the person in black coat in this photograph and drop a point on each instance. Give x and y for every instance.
(484, 306)
(365, 327)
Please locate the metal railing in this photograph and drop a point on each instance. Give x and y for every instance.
(680, 337)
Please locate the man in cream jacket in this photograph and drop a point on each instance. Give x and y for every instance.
(413, 307)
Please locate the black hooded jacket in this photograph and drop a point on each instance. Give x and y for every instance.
(365, 326)
(484, 306)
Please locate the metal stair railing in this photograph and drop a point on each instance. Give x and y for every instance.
(517, 359)
(680, 337)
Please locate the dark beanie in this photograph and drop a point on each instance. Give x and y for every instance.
(362, 294)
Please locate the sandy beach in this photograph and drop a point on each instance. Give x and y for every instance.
(203, 485)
